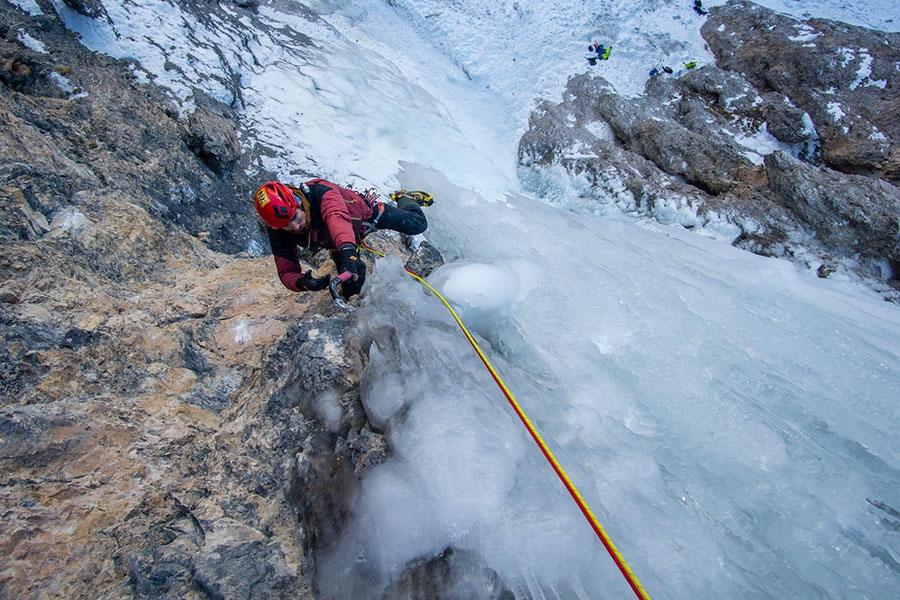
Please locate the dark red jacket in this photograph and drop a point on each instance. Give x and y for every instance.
(334, 216)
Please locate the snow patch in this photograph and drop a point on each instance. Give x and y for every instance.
(836, 112)
(243, 332)
(31, 43)
(805, 33)
(29, 6)
(601, 130)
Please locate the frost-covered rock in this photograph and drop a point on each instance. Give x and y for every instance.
(173, 422)
(846, 211)
(714, 143)
(844, 77)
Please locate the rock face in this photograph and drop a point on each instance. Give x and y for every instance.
(844, 77)
(74, 120)
(823, 97)
(163, 422)
(173, 422)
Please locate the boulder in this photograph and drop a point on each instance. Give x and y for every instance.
(852, 214)
(844, 77)
(789, 137)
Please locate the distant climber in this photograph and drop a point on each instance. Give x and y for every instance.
(598, 52)
(321, 214)
(698, 8)
(657, 69)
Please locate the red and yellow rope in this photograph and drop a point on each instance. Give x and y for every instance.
(573, 491)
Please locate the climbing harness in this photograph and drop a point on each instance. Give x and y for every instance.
(545, 450)
(371, 225)
(370, 196)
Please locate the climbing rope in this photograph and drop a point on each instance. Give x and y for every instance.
(573, 491)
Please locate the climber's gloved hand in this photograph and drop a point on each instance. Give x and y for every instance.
(313, 284)
(350, 261)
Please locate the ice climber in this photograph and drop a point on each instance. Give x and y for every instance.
(321, 214)
(598, 52)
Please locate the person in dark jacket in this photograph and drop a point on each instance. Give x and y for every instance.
(321, 214)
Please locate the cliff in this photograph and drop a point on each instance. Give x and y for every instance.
(153, 434)
(162, 430)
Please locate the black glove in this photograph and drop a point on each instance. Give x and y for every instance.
(350, 261)
(309, 283)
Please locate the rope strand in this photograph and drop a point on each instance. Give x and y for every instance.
(607, 542)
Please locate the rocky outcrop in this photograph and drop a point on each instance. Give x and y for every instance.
(844, 77)
(74, 120)
(791, 136)
(861, 214)
(131, 466)
(173, 422)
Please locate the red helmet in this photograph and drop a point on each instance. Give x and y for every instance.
(276, 204)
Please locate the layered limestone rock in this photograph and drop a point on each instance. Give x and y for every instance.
(787, 145)
(130, 456)
(162, 430)
(844, 77)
